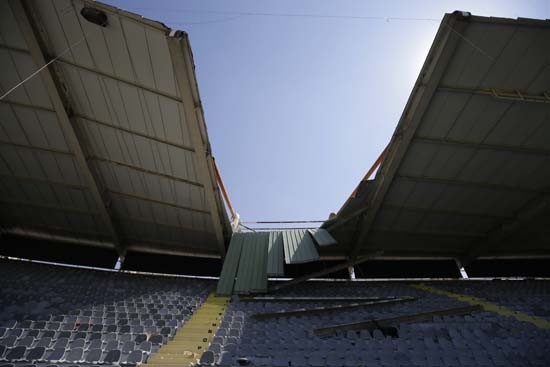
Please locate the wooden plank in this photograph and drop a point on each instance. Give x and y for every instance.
(328, 309)
(377, 323)
(319, 273)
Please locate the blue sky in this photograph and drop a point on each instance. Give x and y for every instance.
(298, 108)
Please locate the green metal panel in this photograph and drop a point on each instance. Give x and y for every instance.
(299, 247)
(252, 272)
(259, 282)
(230, 264)
(275, 255)
(322, 237)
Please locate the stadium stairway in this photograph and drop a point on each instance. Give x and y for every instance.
(194, 337)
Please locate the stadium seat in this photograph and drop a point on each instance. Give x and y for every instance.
(74, 356)
(35, 354)
(112, 357)
(56, 355)
(93, 356)
(16, 354)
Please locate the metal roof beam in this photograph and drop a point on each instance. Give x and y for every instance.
(83, 188)
(99, 72)
(430, 233)
(440, 54)
(443, 211)
(49, 207)
(67, 124)
(533, 209)
(509, 95)
(482, 146)
(133, 132)
(458, 182)
(45, 180)
(33, 147)
(160, 202)
(144, 170)
(101, 159)
(168, 247)
(166, 225)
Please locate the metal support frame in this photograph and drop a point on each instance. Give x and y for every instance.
(225, 194)
(482, 146)
(320, 273)
(49, 207)
(65, 119)
(530, 211)
(509, 95)
(160, 202)
(430, 233)
(439, 56)
(461, 270)
(443, 211)
(184, 71)
(369, 173)
(458, 182)
(144, 170)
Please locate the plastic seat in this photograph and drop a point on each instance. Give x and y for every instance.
(207, 358)
(56, 355)
(79, 343)
(94, 344)
(16, 354)
(145, 347)
(74, 355)
(128, 347)
(93, 356)
(112, 357)
(35, 354)
(9, 341)
(61, 343)
(138, 339)
(111, 345)
(156, 339)
(135, 358)
(25, 342)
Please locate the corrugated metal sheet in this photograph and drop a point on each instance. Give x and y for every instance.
(140, 130)
(252, 272)
(322, 237)
(468, 169)
(299, 247)
(231, 265)
(275, 255)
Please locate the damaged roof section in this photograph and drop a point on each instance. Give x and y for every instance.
(467, 171)
(108, 145)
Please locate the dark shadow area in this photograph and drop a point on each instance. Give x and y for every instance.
(407, 269)
(172, 264)
(57, 252)
(296, 270)
(509, 268)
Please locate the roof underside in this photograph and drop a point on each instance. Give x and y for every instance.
(467, 172)
(107, 146)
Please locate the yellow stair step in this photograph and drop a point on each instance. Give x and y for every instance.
(193, 337)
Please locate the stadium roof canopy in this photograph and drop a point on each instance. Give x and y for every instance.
(108, 145)
(467, 171)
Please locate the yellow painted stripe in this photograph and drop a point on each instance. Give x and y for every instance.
(488, 306)
(193, 338)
